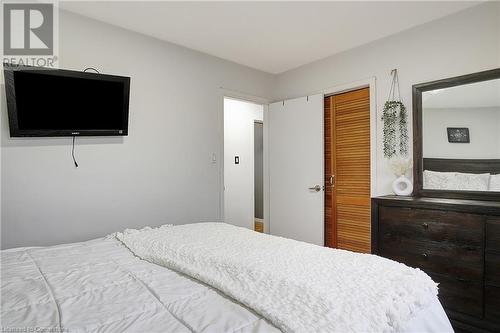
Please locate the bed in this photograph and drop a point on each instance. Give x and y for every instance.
(103, 286)
(475, 166)
(481, 175)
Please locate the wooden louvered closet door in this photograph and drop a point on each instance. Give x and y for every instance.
(347, 159)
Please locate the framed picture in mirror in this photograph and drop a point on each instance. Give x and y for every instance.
(458, 134)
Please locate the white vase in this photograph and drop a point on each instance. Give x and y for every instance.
(402, 186)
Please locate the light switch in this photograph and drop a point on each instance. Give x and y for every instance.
(236, 160)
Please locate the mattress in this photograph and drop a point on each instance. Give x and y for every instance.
(100, 286)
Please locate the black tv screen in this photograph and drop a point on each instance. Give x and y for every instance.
(55, 102)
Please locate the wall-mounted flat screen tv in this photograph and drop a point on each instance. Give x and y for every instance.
(55, 102)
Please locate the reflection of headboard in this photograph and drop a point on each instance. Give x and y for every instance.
(462, 165)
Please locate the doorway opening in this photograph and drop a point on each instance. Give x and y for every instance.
(258, 171)
(244, 164)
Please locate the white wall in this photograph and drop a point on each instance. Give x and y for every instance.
(239, 120)
(463, 43)
(161, 173)
(484, 131)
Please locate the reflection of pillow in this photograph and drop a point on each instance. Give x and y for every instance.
(434, 180)
(495, 183)
(472, 182)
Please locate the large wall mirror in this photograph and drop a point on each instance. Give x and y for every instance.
(457, 137)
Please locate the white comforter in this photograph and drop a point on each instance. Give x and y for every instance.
(100, 286)
(297, 286)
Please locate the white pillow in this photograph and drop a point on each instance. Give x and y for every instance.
(495, 183)
(472, 182)
(456, 181)
(434, 180)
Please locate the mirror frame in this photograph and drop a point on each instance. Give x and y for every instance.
(418, 161)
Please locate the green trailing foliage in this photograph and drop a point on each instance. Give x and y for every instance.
(395, 118)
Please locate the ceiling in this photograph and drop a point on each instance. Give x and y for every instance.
(485, 94)
(270, 36)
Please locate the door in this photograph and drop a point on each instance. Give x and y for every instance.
(296, 169)
(347, 171)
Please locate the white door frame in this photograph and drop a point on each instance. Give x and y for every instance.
(227, 93)
(370, 83)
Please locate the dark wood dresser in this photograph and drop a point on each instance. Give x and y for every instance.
(457, 242)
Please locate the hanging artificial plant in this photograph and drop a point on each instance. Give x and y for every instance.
(395, 120)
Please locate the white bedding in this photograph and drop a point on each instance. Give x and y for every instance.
(100, 286)
(436, 180)
(299, 287)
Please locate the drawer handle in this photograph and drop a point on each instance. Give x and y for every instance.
(425, 255)
(425, 225)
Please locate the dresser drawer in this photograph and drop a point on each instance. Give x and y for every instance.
(493, 234)
(492, 303)
(446, 243)
(492, 269)
(433, 225)
(461, 296)
(460, 261)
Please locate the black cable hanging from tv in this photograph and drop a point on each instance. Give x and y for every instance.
(74, 137)
(73, 152)
(91, 69)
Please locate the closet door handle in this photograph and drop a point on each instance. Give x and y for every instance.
(316, 188)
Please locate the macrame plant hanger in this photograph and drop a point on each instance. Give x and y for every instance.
(395, 114)
(394, 87)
